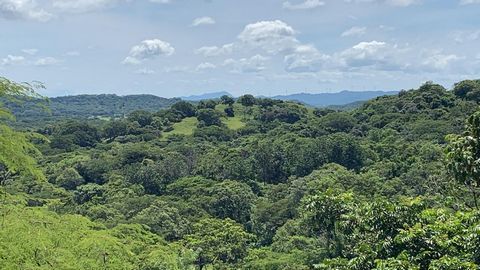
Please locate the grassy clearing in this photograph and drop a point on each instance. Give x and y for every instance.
(186, 127)
(233, 123)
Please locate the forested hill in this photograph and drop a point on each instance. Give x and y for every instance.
(352, 98)
(93, 106)
(252, 183)
(85, 106)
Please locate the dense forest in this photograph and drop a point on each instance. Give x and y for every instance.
(247, 183)
(30, 111)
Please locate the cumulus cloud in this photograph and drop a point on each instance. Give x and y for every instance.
(382, 56)
(305, 58)
(46, 61)
(374, 55)
(272, 36)
(11, 60)
(148, 49)
(23, 9)
(211, 51)
(205, 66)
(354, 31)
(439, 61)
(203, 21)
(32, 9)
(253, 64)
(308, 4)
(279, 39)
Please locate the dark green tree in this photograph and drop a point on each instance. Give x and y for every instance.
(185, 108)
(468, 89)
(217, 241)
(323, 212)
(143, 118)
(231, 199)
(463, 156)
(247, 100)
(209, 117)
(227, 100)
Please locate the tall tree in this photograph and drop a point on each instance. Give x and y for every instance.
(15, 148)
(218, 240)
(463, 156)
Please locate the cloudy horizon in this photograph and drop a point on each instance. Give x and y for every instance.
(178, 47)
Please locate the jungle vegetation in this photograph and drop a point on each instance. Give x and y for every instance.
(247, 183)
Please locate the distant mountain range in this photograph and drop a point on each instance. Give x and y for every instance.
(315, 100)
(339, 98)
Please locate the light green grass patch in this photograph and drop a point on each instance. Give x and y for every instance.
(233, 123)
(220, 107)
(186, 127)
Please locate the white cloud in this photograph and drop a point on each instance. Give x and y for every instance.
(161, 1)
(305, 58)
(205, 66)
(11, 60)
(402, 3)
(31, 10)
(364, 53)
(354, 31)
(77, 6)
(440, 61)
(30, 51)
(203, 21)
(272, 36)
(308, 4)
(211, 51)
(46, 61)
(131, 61)
(467, 2)
(374, 55)
(382, 56)
(246, 65)
(398, 3)
(23, 9)
(148, 49)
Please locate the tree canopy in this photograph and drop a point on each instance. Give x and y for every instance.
(252, 183)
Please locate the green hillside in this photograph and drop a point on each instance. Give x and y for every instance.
(252, 183)
(85, 106)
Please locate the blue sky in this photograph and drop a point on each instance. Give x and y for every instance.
(264, 47)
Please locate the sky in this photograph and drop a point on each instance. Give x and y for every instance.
(264, 47)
